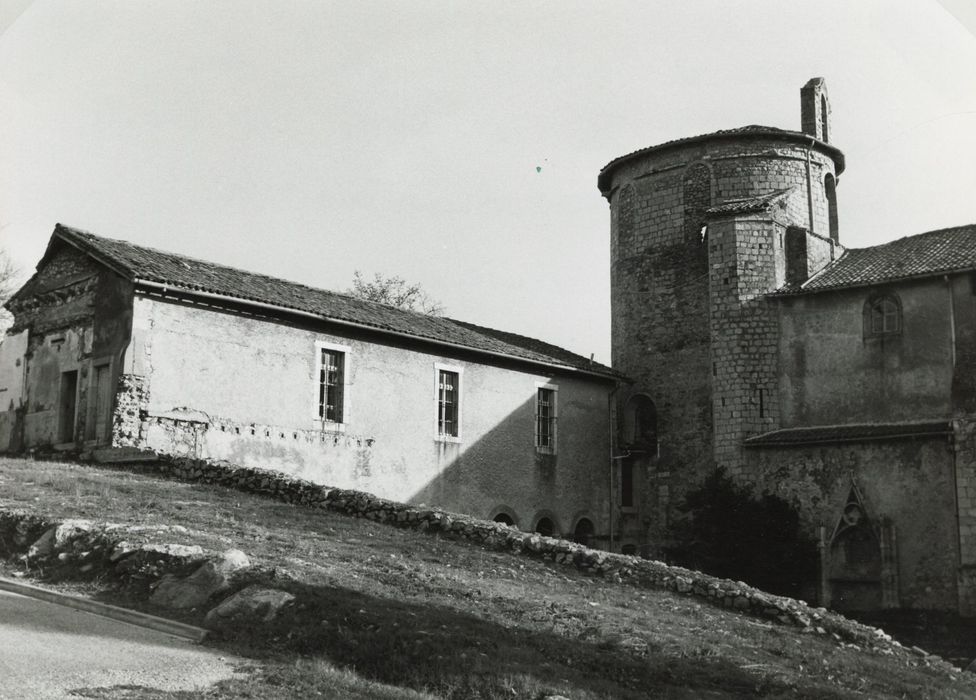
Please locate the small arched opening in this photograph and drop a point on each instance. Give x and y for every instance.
(583, 532)
(640, 424)
(546, 527)
(504, 515)
(696, 196)
(824, 120)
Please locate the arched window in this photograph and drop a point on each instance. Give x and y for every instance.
(625, 221)
(545, 527)
(640, 423)
(584, 531)
(882, 316)
(696, 197)
(830, 189)
(824, 120)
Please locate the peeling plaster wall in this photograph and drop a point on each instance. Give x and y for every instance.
(830, 373)
(75, 314)
(224, 386)
(13, 349)
(910, 481)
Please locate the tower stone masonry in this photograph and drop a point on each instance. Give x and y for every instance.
(701, 229)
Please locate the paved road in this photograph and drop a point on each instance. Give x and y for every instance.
(46, 650)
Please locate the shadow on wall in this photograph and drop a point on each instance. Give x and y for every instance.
(504, 476)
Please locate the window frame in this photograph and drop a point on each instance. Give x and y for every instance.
(459, 371)
(553, 418)
(875, 301)
(318, 416)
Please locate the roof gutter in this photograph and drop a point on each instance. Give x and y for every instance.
(363, 326)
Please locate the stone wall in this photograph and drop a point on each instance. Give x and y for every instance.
(743, 329)
(830, 372)
(908, 490)
(665, 327)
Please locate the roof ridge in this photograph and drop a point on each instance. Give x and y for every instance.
(163, 268)
(948, 229)
(265, 275)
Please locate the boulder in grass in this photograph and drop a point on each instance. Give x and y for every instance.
(252, 604)
(210, 578)
(55, 539)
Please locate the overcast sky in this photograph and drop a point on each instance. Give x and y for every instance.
(455, 144)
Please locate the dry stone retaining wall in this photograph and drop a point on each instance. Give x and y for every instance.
(85, 549)
(725, 593)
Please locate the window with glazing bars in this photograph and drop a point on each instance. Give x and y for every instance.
(448, 398)
(545, 418)
(885, 316)
(331, 377)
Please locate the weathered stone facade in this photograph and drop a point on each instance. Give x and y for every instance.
(811, 396)
(687, 308)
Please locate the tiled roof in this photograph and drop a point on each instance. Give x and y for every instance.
(753, 131)
(184, 273)
(749, 205)
(849, 433)
(932, 253)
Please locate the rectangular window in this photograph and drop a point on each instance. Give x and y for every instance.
(545, 418)
(448, 403)
(330, 385)
(331, 379)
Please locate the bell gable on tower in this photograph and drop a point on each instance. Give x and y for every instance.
(815, 109)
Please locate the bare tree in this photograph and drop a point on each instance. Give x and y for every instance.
(394, 291)
(8, 278)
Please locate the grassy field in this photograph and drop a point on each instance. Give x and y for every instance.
(389, 613)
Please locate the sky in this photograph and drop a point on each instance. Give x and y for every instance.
(455, 144)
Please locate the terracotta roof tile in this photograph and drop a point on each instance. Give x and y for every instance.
(749, 205)
(932, 253)
(184, 273)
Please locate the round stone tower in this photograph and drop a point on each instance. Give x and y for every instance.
(701, 228)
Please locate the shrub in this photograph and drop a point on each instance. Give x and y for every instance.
(726, 531)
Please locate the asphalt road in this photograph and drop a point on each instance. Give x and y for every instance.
(47, 650)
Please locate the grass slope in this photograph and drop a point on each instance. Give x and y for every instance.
(390, 613)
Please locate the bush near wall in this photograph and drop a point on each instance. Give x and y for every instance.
(729, 532)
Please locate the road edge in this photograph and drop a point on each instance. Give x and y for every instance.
(133, 617)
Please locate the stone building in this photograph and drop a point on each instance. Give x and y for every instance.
(843, 380)
(124, 347)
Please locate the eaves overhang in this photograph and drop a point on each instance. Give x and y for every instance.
(745, 133)
(157, 287)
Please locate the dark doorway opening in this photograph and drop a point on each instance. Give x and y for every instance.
(68, 406)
